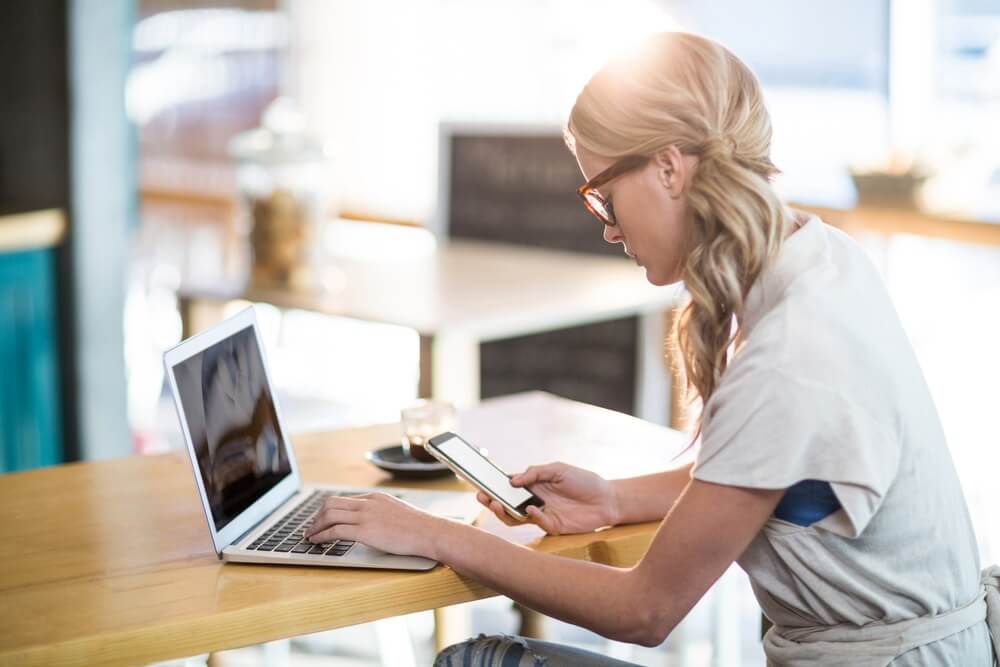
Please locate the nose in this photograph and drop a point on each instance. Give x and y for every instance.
(613, 234)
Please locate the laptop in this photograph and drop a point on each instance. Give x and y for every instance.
(255, 503)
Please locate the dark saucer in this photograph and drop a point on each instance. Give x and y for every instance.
(392, 459)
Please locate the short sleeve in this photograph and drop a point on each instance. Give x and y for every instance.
(764, 428)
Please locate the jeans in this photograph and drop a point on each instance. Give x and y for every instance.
(511, 651)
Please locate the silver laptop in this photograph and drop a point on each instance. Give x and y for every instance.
(245, 470)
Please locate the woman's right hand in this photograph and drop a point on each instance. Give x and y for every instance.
(576, 500)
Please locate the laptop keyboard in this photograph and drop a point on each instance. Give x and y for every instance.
(287, 534)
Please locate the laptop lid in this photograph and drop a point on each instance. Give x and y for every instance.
(243, 466)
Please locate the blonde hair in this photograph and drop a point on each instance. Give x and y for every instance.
(684, 90)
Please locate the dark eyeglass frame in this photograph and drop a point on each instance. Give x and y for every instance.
(595, 202)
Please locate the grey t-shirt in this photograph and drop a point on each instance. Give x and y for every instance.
(824, 385)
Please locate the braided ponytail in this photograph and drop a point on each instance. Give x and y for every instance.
(734, 227)
(690, 92)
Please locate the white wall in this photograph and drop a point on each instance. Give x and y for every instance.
(375, 78)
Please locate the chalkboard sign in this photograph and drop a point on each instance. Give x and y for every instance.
(517, 188)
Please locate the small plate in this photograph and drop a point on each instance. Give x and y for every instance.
(393, 459)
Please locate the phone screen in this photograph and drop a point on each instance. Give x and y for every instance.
(476, 465)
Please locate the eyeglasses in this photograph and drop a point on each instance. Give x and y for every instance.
(595, 202)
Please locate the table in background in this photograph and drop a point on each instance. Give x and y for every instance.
(459, 294)
(889, 220)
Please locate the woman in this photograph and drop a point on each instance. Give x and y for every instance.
(822, 467)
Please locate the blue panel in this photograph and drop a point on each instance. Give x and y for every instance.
(807, 502)
(30, 426)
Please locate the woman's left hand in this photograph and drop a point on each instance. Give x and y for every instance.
(378, 520)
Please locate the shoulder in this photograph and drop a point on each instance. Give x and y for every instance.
(830, 324)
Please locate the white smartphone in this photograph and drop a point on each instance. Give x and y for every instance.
(470, 464)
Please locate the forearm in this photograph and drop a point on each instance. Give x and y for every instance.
(607, 604)
(650, 497)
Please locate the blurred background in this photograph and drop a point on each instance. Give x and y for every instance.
(165, 162)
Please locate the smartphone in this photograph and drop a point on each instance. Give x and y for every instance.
(469, 463)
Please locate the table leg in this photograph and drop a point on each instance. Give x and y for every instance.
(449, 368)
(726, 620)
(198, 315)
(185, 307)
(451, 625)
(425, 386)
(532, 623)
(653, 389)
(394, 644)
(277, 653)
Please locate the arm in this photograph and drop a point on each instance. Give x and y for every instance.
(706, 530)
(648, 498)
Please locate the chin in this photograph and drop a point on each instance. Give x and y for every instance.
(655, 279)
(660, 279)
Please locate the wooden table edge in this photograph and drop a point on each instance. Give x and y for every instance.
(622, 547)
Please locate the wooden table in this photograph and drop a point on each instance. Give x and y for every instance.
(31, 231)
(111, 562)
(458, 294)
(888, 220)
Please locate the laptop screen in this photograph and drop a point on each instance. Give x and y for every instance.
(234, 429)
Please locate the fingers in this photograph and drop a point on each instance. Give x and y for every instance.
(340, 531)
(339, 518)
(330, 517)
(496, 508)
(501, 513)
(336, 510)
(540, 473)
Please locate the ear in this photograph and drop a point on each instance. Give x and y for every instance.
(671, 170)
